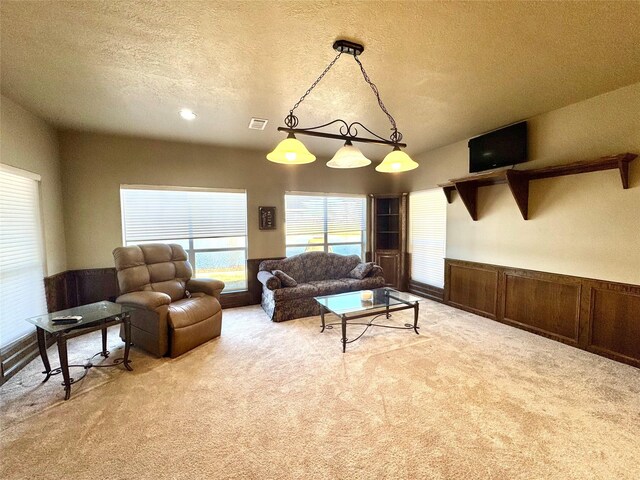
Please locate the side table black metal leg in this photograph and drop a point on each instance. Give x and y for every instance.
(105, 352)
(42, 346)
(127, 341)
(415, 318)
(322, 318)
(64, 365)
(344, 333)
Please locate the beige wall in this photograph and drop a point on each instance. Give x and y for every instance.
(584, 225)
(95, 165)
(29, 143)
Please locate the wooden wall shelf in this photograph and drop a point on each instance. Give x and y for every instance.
(518, 180)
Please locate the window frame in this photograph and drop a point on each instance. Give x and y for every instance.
(191, 250)
(325, 234)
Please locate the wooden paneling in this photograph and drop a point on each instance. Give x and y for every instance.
(595, 315)
(551, 307)
(390, 263)
(234, 299)
(472, 287)
(428, 291)
(60, 291)
(615, 323)
(96, 284)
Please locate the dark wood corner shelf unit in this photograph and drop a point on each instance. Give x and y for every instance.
(518, 180)
(388, 236)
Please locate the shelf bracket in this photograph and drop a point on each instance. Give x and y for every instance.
(468, 192)
(623, 166)
(518, 182)
(448, 190)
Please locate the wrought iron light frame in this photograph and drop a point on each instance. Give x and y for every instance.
(348, 131)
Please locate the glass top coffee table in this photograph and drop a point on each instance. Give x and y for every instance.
(367, 303)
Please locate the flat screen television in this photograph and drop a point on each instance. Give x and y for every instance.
(500, 148)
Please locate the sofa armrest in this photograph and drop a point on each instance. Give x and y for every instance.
(147, 299)
(269, 280)
(208, 286)
(376, 271)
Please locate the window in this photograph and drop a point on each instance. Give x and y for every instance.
(211, 225)
(325, 223)
(21, 254)
(427, 237)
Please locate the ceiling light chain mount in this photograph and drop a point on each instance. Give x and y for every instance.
(293, 151)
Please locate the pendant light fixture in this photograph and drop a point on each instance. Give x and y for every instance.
(348, 157)
(292, 151)
(396, 161)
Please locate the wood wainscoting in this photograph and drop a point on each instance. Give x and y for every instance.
(595, 315)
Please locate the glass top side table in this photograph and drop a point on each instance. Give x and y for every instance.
(95, 316)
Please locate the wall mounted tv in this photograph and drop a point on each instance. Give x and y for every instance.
(500, 148)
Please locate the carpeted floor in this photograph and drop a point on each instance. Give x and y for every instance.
(468, 398)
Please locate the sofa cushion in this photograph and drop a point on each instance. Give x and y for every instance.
(285, 279)
(330, 287)
(292, 266)
(290, 293)
(367, 283)
(327, 266)
(361, 270)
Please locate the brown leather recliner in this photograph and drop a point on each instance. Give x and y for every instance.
(176, 313)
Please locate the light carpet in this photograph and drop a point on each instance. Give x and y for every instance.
(467, 398)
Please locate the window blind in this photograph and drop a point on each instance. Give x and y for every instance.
(428, 235)
(305, 214)
(157, 214)
(21, 255)
(345, 214)
(316, 214)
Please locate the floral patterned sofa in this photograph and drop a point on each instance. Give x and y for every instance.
(313, 274)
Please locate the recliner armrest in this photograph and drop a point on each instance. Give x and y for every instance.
(208, 286)
(269, 280)
(146, 299)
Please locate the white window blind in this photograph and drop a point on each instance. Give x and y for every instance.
(210, 225)
(305, 214)
(21, 254)
(428, 236)
(327, 223)
(155, 215)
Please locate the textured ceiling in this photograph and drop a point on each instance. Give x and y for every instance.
(446, 71)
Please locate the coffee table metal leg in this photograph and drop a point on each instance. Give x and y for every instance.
(42, 346)
(344, 333)
(415, 318)
(105, 352)
(127, 341)
(64, 365)
(322, 318)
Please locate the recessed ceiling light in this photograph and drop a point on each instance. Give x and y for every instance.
(187, 114)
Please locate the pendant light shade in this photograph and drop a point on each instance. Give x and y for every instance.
(291, 151)
(348, 157)
(396, 161)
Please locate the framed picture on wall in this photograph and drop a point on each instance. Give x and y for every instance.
(267, 217)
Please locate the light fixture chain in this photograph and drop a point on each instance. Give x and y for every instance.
(315, 83)
(396, 136)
